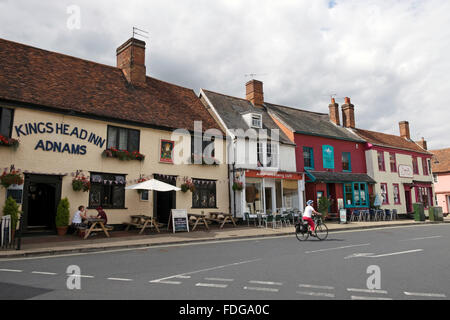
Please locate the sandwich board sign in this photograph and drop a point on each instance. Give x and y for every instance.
(343, 215)
(180, 220)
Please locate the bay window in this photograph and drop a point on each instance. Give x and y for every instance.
(355, 194)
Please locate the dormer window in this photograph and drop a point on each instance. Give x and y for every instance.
(256, 121)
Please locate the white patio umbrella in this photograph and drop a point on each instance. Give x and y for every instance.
(153, 184)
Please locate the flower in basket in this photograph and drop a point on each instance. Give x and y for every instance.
(237, 185)
(123, 154)
(188, 185)
(80, 182)
(9, 142)
(10, 178)
(140, 181)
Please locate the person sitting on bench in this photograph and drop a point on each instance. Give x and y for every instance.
(79, 217)
(102, 215)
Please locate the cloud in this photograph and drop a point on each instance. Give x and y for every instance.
(389, 56)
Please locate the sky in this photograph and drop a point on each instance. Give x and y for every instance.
(389, 56)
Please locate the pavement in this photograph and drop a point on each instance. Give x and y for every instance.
(54, 245)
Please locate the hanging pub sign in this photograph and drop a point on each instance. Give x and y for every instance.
(328, 157)
(180, 220)
(63, 129)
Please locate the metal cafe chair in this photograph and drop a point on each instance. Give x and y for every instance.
(251, 218)
(387, 214)
(372, 215)
(356, 215)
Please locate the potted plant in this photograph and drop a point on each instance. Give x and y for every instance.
(81, 183)
(187, 185)
(323, 205)
(13, 177)
(62, 217)
(237, 185)
(11, 209)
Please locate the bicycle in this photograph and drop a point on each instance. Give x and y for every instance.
(302, 229)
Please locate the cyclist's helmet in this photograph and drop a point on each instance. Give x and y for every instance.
(309, 202)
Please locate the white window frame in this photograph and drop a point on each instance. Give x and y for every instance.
(256, 121)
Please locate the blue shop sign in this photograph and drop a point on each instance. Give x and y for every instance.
(328, 157)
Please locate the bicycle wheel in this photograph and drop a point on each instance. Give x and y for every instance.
(321, 231)
(301, 236)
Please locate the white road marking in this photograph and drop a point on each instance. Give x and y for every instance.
(261, 289)
(368, 298)
(270, 283)
(81, 276)
(45, 273)
(219, 279)
(211, 285)
(432, 295)
(434, 237)
(208, 269)
(395, 253)
(359, 255)
(315, 287)
(213, 242)
(316, 294)
(337, 248)
(119, 279)
(367, 290)
(183, 277)
(166, 282)
(10, 270)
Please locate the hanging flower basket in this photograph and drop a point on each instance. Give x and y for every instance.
(139, 191)
(188, 185)
(8, 142)
(237, 185)
(81, 183)
(13, 177)
(123, 155)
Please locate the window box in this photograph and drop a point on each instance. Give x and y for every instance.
(123, 155)
(8, 142)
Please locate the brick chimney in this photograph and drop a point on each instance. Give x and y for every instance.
(423, 143)
(254, 92)
(131, 59)
(334, 112)
(348, 114)
(404, 130)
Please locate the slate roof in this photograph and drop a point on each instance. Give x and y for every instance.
(34, 76)
(231, 109)
(311, 123)
(443, 158)
(390, 141)
(339, 177)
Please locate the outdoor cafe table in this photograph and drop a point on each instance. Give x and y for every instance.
(142, 222)
(227, 218)
(199, 218)
(97, 225)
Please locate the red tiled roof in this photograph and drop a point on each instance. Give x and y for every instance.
(443, 158)
(389, 140)
(49, 79)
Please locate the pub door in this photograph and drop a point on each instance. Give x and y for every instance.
(42, 194)
(164, 202)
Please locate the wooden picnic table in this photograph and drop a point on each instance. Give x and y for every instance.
(198, 218)
(142, 222)
(226, 218)
(94, 228)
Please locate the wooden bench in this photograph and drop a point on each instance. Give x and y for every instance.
(142, 222)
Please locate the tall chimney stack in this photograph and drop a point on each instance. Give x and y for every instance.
(334, 112)
(348, 114)
(404, 130)
(254, 92)
(423, 143)
(131, 59)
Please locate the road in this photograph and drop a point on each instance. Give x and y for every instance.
(413, 263)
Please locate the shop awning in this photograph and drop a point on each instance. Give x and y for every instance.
(338, 177)
(273, 174)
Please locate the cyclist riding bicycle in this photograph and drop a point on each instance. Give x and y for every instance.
(307, 216)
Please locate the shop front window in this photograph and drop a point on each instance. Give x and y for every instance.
(253, 196)
(204, 195)
(107, 191)
(355, 194)
(290, 194)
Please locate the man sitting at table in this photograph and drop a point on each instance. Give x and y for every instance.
(102, 215)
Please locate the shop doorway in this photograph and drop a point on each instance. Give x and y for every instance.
(164, 202)
(409, 207)
(268, 200)
(42, 194)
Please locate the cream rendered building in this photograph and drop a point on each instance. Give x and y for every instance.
(66, 112)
